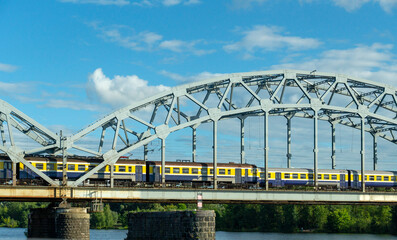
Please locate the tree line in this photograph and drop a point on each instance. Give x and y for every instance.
(241, 217)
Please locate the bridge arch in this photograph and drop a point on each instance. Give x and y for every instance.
(339, 99)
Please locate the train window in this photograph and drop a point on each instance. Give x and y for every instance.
(175, 170)
(303, 176)
(50, 166)
(185, 170)
(167, 170)
(334, 177)
(60, 166)
(81, 167)
(222, 171)
(102, 169)
(121, 168)
(371, 178)
(229, 172)
(310, 175)
(378, 178)
(130, 169)
(71, 167)
(211, 171)
(295, 176)
(386, 178)
(194, 170)
(91, 167)
(326, 176)
(262, 175)
(318, 176)
(393, 178)
(39, 166)
(286, 175)
(204, 171)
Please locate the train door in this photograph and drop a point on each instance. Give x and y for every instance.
(355, 180)
(7, 170)
(138, 173)
(278, 179)
(342, 180)
(156, 173)
(238, 175)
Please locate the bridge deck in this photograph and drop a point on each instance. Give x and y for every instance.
(36, 193)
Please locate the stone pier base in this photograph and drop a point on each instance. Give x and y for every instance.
(60, 223)
(172, 225)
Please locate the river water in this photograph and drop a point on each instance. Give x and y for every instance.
(18, 234)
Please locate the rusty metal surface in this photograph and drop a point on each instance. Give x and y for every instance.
(39, 193)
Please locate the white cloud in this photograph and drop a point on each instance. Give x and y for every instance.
(13, 87)
(7, 67)
(183, 46)
(194, 78)
(351, 5)
(177, 2)
(146, 40)
(70, 104)
(245, 4)
(269, 39)
(99, 2)
(121, 90)
(375, 62)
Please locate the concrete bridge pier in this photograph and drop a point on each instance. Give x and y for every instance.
(172, 225)
(59, 223)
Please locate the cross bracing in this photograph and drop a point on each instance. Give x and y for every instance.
(339, 99)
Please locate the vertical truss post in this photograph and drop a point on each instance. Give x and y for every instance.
(111, 175)
(3, 138)
(333, 151)
(375, 150)
(242, 150)
(362, 152)
(163, 162)
(315, 148)
(194, 142)
(64, 160)
(14, 173)
(266, 148)
(289, 142)
(214, 152)
(145, 152)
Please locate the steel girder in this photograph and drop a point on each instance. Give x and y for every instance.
(24, 125)
(339, 99)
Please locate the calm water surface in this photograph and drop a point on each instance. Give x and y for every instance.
(18, 234)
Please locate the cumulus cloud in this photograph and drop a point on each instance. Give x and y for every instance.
(7, 67)
(352, 5)
(269, 39)
(374, 62)
(194, 78)
(121, 90)
(146, 40)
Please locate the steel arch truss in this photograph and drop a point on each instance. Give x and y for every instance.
(14, 127)
(353, 102)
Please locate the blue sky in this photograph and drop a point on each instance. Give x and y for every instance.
(65, 63)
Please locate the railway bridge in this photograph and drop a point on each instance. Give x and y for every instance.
(367, 106)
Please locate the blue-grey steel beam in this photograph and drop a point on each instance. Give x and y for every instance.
(375, 150)
(163, 162)
(242, 150)
(362, 152)
(288, 142)
(333, 151)
(315, 148)
(266, 148)
(194, 142)
(215, 153)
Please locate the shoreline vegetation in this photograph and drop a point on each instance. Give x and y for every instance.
(372, 219)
